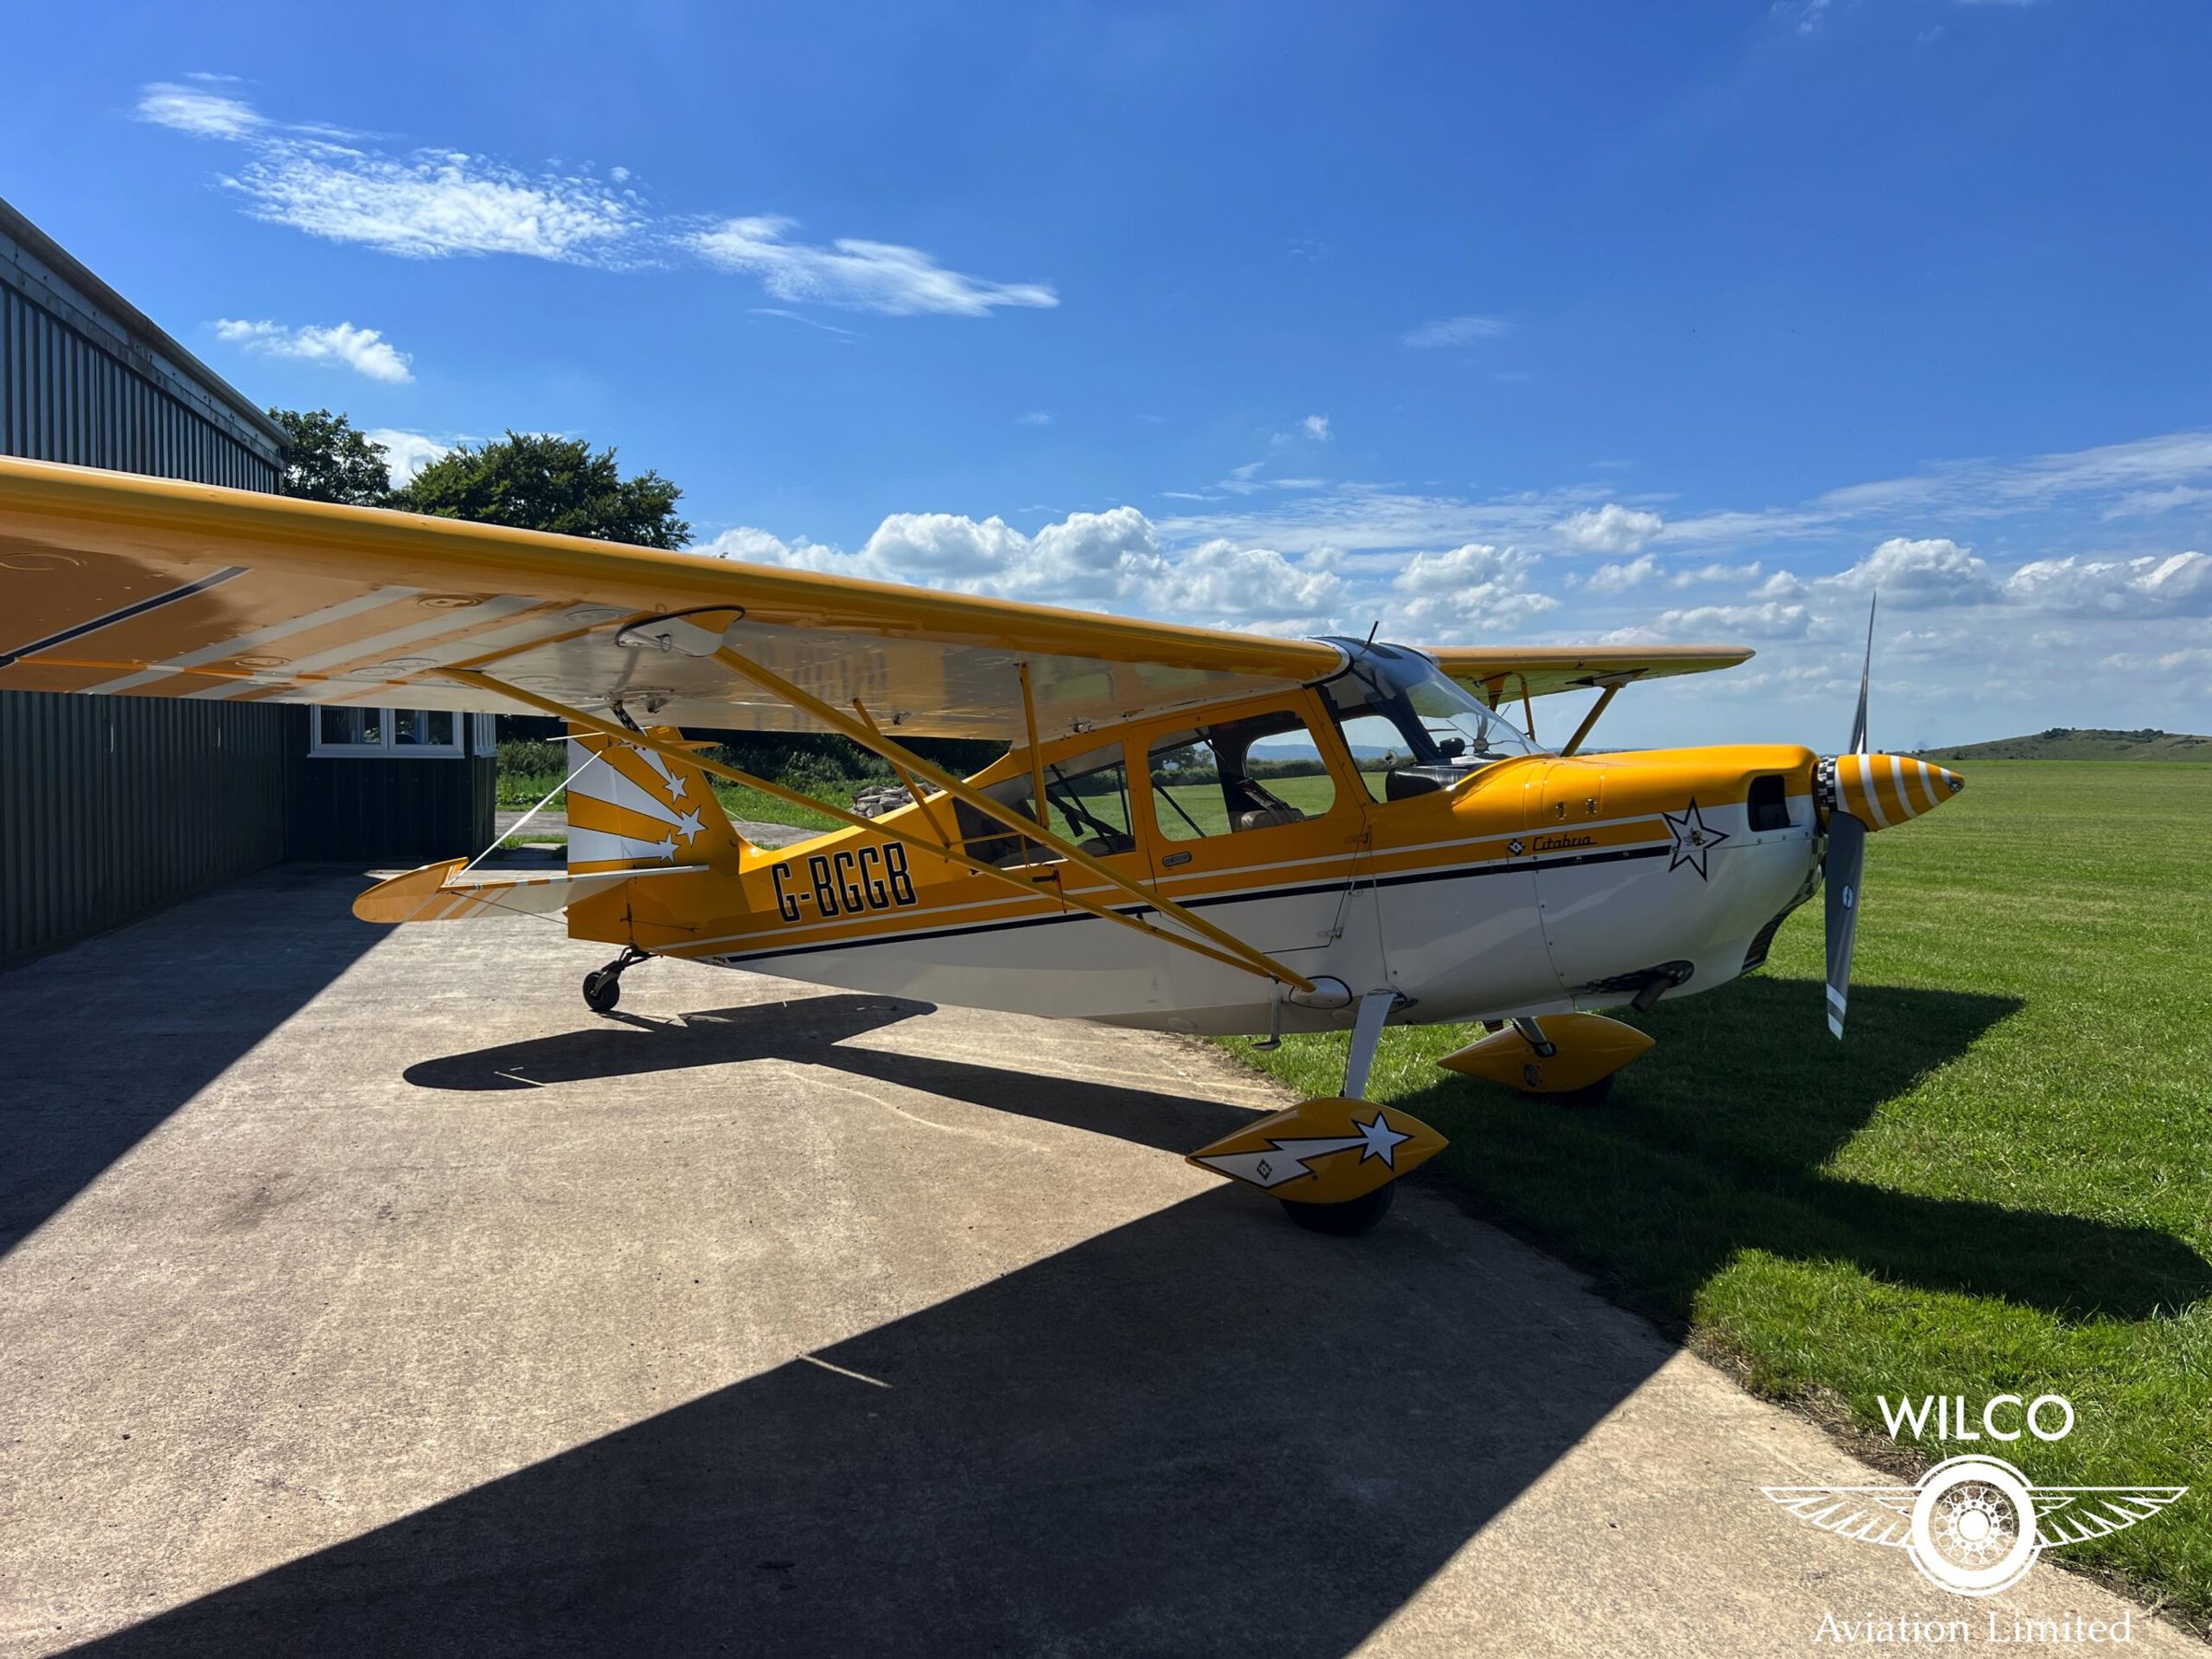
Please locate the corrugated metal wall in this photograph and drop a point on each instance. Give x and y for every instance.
(112, 806)
(63, 398)
(390, 808)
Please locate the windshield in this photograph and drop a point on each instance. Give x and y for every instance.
(1409, 727)
(1450, 716)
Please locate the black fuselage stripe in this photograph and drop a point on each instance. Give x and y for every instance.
(861, 941)
(155, 602)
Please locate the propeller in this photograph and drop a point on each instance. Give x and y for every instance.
(1846, 862)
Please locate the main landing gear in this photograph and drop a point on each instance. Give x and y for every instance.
(602, 986)
(1333, 1164)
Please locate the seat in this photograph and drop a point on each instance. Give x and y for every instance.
(1267, 817)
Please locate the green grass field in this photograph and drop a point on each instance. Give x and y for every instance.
(2001, 1182)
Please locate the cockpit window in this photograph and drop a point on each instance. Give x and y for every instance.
(1409, 727)
(1255, 773)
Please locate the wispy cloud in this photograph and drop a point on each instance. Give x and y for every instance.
(363, 350)
(1034, 417)
(1456, 331)
(438, 202)
(855, 275)
(197, 111)
(1805, 15)
(792, 316)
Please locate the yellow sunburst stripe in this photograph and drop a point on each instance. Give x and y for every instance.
(589, 812)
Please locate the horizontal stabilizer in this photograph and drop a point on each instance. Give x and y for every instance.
(452, 892)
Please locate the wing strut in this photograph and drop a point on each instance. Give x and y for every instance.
(1233, 951)
(1612, 683)
(1256, 961)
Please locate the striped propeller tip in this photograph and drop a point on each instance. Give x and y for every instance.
(1884, 790)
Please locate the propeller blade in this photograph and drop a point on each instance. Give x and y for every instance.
(1858, 723)
(1846, 860)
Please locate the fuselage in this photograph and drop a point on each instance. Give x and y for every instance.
(1497, 884)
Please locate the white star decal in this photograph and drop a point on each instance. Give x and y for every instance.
(688, 826)
(669, 781)
(1694, 838)
(1380, 1138)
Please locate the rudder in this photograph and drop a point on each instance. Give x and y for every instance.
(632, 808)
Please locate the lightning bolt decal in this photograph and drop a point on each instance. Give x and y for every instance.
(1282, 1160)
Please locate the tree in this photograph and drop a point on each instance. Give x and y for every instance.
(535, 481)
(326, 459)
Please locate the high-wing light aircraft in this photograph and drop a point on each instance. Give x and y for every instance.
(1193, 830)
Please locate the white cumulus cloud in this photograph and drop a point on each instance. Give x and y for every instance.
(1619, 578)
(1611, 529)
(2155, 585)
(364, 350)
(1097, 560)
(407, 453)
(1931, 570)
(1473, 588)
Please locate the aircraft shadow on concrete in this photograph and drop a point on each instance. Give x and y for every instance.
(816, 1030)
(1710, 1147)
(1124, 1447)
(92, 1065)
(1200, 1431)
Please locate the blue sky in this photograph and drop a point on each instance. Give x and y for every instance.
(1495, 324)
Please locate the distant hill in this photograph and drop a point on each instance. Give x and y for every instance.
(2083, 743)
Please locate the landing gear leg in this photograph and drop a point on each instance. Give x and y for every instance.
(1355, 1216)
(1367, 1033)
(602, 986)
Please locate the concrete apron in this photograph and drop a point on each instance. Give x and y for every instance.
(367, 1294)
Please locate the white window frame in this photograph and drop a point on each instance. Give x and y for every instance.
(387, 746)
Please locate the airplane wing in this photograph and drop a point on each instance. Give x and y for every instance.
(115, 583)
(1505, 674)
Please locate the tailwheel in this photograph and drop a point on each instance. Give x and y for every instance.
(602, 986)
(1345, 1220)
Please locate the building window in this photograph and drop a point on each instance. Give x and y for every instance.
(388, 734)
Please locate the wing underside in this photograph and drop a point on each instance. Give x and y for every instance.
(116, 584)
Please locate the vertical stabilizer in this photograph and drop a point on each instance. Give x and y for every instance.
(633, 809)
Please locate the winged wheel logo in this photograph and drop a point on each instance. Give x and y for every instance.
(1973, 1525)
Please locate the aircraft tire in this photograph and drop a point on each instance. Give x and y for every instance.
(1345, 1220)
(601, 991)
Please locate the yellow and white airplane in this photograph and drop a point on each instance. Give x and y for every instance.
(1192, 830)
